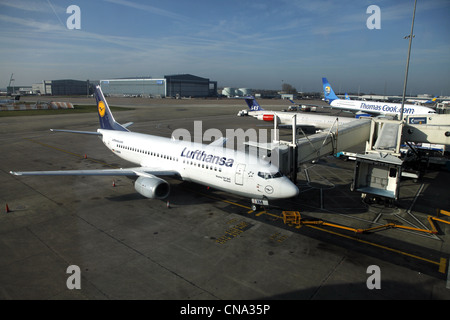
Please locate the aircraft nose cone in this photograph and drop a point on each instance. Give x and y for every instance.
(290, 190)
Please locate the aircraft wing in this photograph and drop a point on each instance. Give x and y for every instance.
(139, 171)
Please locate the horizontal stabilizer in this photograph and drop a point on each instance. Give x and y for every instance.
(126, 125)
(76, 131)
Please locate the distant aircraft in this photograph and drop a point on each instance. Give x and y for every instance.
(304, 120)
(7, 101)
(423, 101)
(372, 108)
(210, 165)
(432, 100)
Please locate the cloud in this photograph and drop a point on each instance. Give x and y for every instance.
(31, 24)
(150, 9)
(28, 5)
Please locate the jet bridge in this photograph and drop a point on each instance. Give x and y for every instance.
(378, 170)
(289, 155)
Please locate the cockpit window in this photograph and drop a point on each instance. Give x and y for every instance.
(267, 175)
(277, 175)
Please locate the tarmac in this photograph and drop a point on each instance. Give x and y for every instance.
(204, 244)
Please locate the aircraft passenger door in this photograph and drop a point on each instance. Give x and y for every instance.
(239, 178)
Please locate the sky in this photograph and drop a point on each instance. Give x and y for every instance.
(238, 43)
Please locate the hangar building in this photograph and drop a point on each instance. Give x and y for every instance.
(65, 87)
(183, 85)
(188, 85)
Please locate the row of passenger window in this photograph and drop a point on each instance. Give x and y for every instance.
(163, 156)
(202, 165)
(150, 153)
(264, 175)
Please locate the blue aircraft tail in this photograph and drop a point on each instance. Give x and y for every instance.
(104, 113)
(432, 100)
(253, 104)
(328, 92)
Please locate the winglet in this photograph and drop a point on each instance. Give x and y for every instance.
(219, 142)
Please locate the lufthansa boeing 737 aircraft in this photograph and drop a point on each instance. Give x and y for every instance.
(369, 107)
(210, 165)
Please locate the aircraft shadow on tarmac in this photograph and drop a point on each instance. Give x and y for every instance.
(181, 193)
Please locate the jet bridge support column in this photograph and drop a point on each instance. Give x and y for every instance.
(293, 150)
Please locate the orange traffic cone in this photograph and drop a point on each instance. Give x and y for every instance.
(7, 209)
(114, 183)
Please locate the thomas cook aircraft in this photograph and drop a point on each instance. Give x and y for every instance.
(371, 108)
(210, 165)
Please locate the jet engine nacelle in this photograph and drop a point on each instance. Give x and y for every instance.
(153, 188)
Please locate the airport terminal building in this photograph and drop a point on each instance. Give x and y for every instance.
(182, 85)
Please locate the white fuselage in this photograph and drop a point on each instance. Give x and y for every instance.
(379, 107)
(307, 120)
(217, 167)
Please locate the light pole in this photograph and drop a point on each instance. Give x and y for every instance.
(407, 61)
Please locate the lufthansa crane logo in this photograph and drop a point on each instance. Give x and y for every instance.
(268, 189)
(101, 109)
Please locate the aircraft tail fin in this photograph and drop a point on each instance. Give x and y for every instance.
(432, 100)
(328, 92)
(253, 104)
(104, 113)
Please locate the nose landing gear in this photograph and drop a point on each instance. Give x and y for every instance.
(259, 203)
